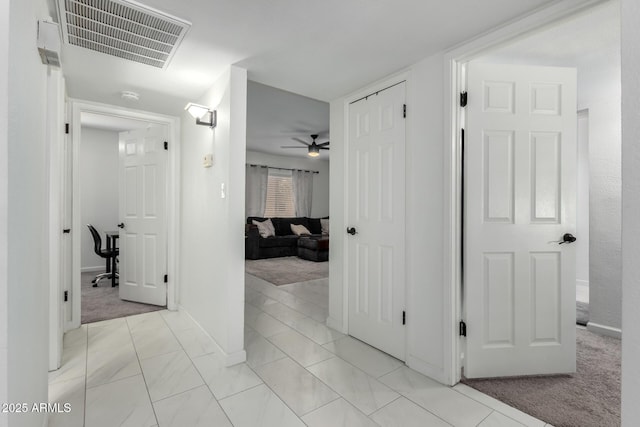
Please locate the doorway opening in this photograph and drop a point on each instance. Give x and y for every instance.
(124, 183)
(102, 194)
(582, 220)
(287, 213)
(572, 43)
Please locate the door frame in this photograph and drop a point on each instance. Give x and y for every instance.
(455, 61)
(56, 113)
(173, 195)
(404, 76)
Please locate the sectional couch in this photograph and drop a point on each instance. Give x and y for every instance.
(284, 243)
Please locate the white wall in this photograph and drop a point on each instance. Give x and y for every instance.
(212, 228)
(630, 208)
(4, 178)
(320, 200)
(424, 217)
(599, 91)
(605, 211)
(98, 190)
(28, 294)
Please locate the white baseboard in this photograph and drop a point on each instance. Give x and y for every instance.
(604, 330)
(427, 369)
(229, 359)
(92, 269)
(334, 324)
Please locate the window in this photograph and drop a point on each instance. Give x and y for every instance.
(279, 195)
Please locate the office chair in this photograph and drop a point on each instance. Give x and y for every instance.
(102, 253)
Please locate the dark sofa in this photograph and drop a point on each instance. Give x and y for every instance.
(284, 243)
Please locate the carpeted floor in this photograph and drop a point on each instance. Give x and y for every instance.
(285, 270)
(588, 398)
(103, 302)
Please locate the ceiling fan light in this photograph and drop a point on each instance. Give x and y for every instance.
(314, 151)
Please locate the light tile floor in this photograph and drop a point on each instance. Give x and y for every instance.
(160, 369)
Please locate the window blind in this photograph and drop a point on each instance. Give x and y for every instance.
(279, 196)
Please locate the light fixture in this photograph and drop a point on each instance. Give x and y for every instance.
(314, 151)
(129, 95)
(203, 115)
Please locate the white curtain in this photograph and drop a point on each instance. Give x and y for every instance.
(256, 190)
(302, 192)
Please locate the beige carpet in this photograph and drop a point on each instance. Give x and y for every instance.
(285, 270)
(588, 398)
(104, 303)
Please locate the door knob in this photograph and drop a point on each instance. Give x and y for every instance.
(121, 225)
(568, 238)
(352, 230)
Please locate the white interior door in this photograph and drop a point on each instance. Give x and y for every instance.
(143, 247)
(520, 198)
(376, 209)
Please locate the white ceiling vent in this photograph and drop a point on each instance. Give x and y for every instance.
(122, 28)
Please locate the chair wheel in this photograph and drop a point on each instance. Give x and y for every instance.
(95, 286)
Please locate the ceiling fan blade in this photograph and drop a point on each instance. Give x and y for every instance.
(301, 141)
(323, 148)
(324, 143)
(292, 146)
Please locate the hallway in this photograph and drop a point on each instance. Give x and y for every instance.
(160, 369)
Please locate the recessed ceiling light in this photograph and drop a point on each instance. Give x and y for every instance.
(128, 95)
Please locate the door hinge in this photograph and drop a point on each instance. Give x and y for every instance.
(66, 128)
(166, 278)
(66, 296)
(463, 99)
(404, 111)
(166, 145)
(404, 317)
(463, 329)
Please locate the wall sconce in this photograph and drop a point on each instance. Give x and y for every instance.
(203, 115)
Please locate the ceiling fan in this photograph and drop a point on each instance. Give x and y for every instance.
(313, 148)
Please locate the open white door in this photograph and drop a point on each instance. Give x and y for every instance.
(143, 247)
(376, 216)
(520, 197)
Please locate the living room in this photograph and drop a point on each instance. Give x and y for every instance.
(287, 192)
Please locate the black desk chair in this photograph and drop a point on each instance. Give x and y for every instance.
(103, 253)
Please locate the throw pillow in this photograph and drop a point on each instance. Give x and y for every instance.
(325, 226)
(265, 228)
(299, 229)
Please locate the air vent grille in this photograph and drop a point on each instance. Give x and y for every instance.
(123, 29)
